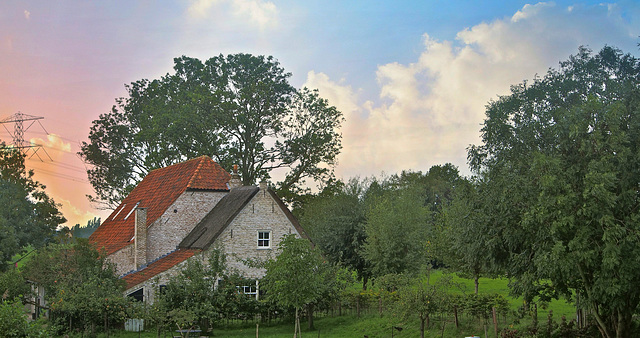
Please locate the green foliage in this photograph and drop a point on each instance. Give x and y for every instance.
(13, 286)
(560, 156)
(422, 299)
(195, 295)
(335, 221)
(296, 276)
(397, 233)
(293, 278)
(28, 215)
(467, 239)
(238, 109)
(81, 287)
(14, 323)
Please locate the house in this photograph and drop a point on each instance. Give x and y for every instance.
(180, 212)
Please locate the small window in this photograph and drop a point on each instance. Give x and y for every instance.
(264, 239)
(249, 290)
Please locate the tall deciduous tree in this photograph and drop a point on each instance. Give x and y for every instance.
(562, 155)
(336, 221)
(238, 109)
(28, 215)
(397, 232)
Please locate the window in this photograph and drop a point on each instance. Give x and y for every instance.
(264, 239)
(249, 290)
(137, 295)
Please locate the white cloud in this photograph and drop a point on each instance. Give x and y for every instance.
(27, 14)
(259, 13)
(431, 110)
(54, 142)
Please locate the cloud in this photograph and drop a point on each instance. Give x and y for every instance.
(263, 14)
(52, 142)
(27, 14)
(429, 111)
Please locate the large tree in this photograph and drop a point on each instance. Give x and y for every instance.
(28, 215)
(238, 109)
(562, 156)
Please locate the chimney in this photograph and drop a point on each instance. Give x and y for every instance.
(235, 178)
(264, 185)
(140, 245)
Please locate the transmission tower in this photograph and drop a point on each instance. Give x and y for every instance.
(19, 143)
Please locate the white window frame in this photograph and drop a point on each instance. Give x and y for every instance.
(261, 241)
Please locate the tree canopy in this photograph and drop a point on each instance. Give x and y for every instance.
(238, 109)
(28, 215)
(561, 156)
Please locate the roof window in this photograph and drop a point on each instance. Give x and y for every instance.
(118, 213)
(132, 209)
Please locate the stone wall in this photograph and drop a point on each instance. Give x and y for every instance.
(123, 259)
(164, 235)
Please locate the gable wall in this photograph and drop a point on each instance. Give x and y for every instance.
(164, 235)
(123, 259)
(239, 239)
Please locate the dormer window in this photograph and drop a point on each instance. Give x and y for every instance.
(264, 239)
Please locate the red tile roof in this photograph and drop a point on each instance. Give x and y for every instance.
(161, 265)
(157, 192)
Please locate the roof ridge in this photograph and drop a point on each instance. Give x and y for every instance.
(195, 172)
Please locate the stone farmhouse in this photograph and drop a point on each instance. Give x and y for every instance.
(181, 212)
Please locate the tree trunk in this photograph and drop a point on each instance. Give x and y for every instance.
(297, 322)
(365, 279)
(475, 280)
(455, 315)
(310, 309)
(422, 319)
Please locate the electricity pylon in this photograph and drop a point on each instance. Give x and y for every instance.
(18, 133)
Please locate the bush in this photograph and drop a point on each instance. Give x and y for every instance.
(14, 323)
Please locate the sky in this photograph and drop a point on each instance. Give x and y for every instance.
(412, 78)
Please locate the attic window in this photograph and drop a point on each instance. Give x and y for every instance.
(264, 239)
(118, 213)
(132, 209)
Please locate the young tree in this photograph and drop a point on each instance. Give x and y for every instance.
(561, 156)
(467, 240)
(28, 215)
(238, 109)
(295, 277)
